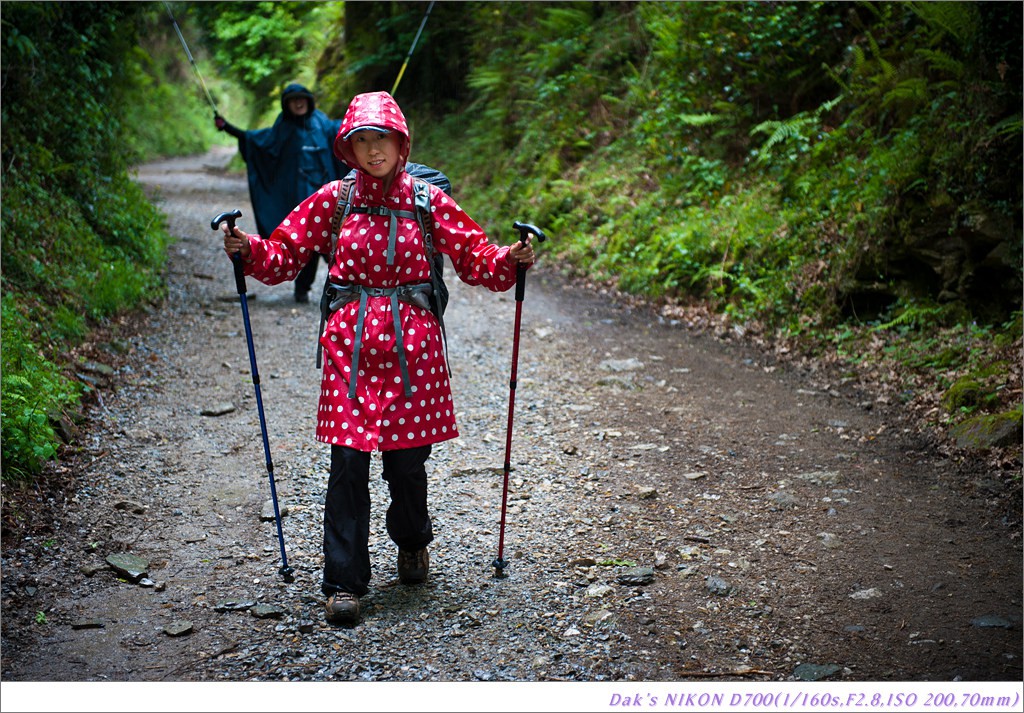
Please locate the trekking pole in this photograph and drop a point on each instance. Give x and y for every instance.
(525, 230)
(192, 61)
(412, 47)
(230, 217)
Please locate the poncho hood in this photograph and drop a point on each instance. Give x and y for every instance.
(291, 92)
(373, 109)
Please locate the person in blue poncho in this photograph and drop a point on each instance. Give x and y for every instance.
(288, 162)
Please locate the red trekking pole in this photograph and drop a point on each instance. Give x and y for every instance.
(525, 230)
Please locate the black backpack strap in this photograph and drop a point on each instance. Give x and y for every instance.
(341, 212)
(421, 194)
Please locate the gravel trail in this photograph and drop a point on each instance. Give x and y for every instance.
(679, 508)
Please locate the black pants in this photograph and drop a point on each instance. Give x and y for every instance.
(347, 513)
(307, 275)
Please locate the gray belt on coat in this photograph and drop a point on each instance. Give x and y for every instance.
(417, 294)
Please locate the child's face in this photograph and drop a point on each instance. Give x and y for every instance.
(376, 153)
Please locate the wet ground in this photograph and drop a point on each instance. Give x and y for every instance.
(681, 508)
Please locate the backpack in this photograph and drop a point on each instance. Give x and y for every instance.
(439, 294)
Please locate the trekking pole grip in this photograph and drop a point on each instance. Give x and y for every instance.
(525, 231)
(236, 259)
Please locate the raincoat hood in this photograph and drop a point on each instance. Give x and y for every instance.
(291, 92)
(372, 110)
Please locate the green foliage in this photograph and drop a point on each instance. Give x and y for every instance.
(784, 162)
(790, 163)
(80, 240)
(167, 118)
(798, 132)
(542, 88)
(33, 396)
(262, 46)
(735, 62)
(616, 562)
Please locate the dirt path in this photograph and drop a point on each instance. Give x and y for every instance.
(679, 508)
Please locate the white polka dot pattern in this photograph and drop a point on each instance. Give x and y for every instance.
(381, 416)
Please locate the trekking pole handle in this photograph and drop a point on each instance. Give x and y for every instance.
(525, 230)
(236, 259)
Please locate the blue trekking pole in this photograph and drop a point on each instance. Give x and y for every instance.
(230, 217)
(525, 230)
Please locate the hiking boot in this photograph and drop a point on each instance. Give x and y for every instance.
(413, 566)
(342, 608)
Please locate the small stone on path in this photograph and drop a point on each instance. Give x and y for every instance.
(636, 576)
(87, 624)
(233, 605)
(717, 585)
(267, 611)
(619, 365)
(872, 593)
(192, 535)
(218, 409)
(267, 514)
(178, 627)
(129, 566)
(991, 621)
(815, 672)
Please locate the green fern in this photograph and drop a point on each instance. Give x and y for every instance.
(699, 119)
(909, 90)
(797, 127)
(888, 71)
(913, 315)
(942, 62)
(486, 79)
(566, 22)
(781, 131)
(959, 19)
(1010, 127)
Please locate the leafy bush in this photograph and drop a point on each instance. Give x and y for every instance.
(260, 46)
(80, 240)
(33, 397)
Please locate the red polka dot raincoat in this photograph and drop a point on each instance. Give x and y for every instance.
(381, 416)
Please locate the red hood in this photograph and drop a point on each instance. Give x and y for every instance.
(372, 109)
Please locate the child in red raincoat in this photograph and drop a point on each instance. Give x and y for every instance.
(385, 383)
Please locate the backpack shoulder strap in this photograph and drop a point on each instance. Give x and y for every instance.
(341, 210)
(421, 195)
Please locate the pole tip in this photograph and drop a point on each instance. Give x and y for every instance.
(288, 574)
(499, 567)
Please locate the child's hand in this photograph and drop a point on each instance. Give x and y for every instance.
(522, 254)
(236, 241)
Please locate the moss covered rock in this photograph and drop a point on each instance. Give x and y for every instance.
(989, 431)
(965, 393)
